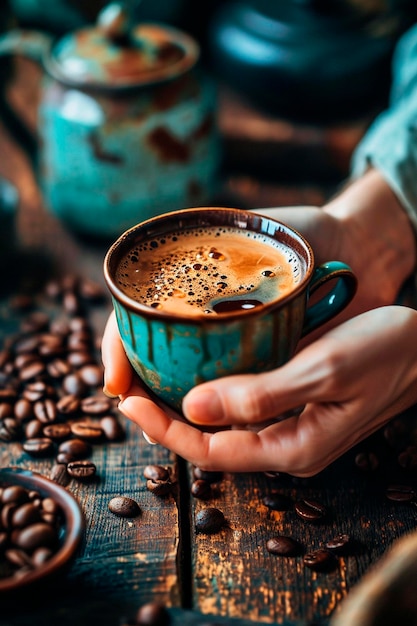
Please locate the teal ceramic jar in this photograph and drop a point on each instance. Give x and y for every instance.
(127, 123)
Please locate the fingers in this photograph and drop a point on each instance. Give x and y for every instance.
(253, 398)
(301, 445)
(118, 372)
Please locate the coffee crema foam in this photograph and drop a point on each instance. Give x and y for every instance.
(208, 270)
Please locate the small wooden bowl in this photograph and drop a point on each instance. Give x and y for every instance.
(72, 527)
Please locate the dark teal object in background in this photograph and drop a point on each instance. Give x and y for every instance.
(312, 61)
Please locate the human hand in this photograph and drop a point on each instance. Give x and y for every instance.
(366, 227)
(350, 382)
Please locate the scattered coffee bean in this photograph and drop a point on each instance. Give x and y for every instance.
(152, 614)
(340, 544)
(156, 472)
(39, 446)
(283, 546)
(201, 489)
(57, 432)
(88, 431)
(124, 506)
(277, 501)
(310, 510)
(320, 560)
(81, 470)
(112, 429)
(210, 476)
(159, 487)
(75, 448)
(367, 461)
(400, 493)
(209, 521)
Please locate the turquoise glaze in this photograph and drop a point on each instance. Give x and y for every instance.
(127, 123)
(172, 354)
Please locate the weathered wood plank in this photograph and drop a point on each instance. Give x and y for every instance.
(234, 574)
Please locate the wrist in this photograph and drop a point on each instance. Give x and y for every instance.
(377, 231)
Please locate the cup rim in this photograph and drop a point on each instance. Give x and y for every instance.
(150, 226)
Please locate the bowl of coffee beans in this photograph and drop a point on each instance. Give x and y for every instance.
(41, 526)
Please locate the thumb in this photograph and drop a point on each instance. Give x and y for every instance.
(253, 398)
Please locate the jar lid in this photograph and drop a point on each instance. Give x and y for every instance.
(113, 55)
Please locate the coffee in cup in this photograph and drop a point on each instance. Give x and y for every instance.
(207, 292)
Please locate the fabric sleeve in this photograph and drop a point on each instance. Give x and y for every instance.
(390, 144)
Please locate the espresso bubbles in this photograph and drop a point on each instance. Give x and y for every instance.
(208, 270)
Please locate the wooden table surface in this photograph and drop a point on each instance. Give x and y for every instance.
(203, 579)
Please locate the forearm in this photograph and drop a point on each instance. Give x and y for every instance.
(379, 229)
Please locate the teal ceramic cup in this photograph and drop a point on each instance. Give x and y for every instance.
(173, 350)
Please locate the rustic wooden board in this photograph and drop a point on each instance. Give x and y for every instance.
(235, 576)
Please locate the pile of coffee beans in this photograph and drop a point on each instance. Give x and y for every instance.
(51, 379)
(30, 530)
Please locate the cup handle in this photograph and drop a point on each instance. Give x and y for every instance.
(335, 300)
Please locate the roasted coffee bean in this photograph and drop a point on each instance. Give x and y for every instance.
(124, 506)
(37, 391)
(71, 303)
(41, 556)
(159, 487)
(112, 429)
(320, 560)
(92, 375)
(283, 546)
(23, 410)
(91, 291)
(19, 558)
(26, 344)
(367, 461)
(211, 477)
(14, 494)
(209, 521)
(310, 510)
(59, 326)
(277, 501)
(25, 514)
(35, 322)
(59, 474)
(73, 384)
(79, 341)
(45, 411)
(201, 489)
(34, 429)
(341, 544)
(58, 431)
(156, 472)
(8, 394)
(35, 369)
(39, 446)
(50, 345)
(75, 448)
(87, 430)
(400, 493)
(407, 459)
(35, 536)
(58, 368)
(68, 404)
(80, 358)
(96, 405)
(81, 470)
(6, 409)
(9, 429)
(152, 614)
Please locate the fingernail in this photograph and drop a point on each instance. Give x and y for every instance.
(153, 442)
(203, 406)
(108, 394)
